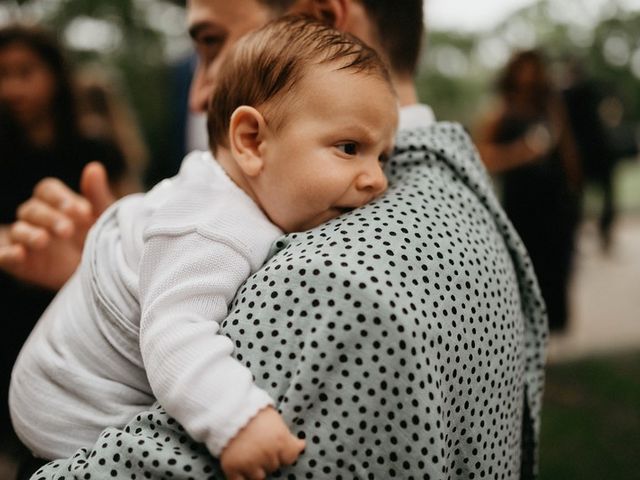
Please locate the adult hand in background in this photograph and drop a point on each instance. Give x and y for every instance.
(44, 245)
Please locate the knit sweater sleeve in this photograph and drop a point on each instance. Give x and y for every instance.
(186, 283)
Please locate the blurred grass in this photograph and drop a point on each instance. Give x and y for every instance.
(627, 181)
(591, 420)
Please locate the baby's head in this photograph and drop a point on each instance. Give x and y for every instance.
(303, 118)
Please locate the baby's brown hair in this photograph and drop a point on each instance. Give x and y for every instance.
(268, 63)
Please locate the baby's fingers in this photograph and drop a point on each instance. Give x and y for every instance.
(291, 451)
(247, 469)
(257, 474)
(234, 476)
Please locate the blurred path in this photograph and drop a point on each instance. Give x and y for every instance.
(605, 295)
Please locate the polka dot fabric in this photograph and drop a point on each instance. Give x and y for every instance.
(402, 340)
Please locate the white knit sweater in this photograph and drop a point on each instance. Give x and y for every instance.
(139, 319)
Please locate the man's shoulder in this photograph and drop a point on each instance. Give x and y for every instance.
(438, 136)
(449, 144)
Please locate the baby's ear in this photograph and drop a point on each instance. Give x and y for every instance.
(246, 134)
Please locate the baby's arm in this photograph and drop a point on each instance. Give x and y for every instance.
(186, 283)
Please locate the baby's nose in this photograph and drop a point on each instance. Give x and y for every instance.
(373, 181)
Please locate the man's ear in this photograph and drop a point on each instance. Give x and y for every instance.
(246, 136)
(333, 12)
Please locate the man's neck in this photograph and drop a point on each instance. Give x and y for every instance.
(406, 90)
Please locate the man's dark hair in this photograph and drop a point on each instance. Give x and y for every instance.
(399, 28)
(279, 6)
(400, 25)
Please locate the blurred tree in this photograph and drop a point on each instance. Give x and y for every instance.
(449, 79)
(458, 69)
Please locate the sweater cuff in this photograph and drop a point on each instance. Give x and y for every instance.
(252, 404)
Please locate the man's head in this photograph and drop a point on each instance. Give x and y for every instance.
(302, 117)
(393, 29)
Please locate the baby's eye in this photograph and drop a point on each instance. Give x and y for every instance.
(349, 148)
(383, 159)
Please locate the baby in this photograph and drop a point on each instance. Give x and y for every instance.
(300, 122)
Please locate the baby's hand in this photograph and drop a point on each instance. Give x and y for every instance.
(262, 446)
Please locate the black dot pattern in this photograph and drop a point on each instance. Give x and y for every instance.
(401, 340)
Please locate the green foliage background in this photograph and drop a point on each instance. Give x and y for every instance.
(462, 97)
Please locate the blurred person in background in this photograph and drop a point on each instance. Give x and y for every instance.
(527, 141)
(40, 136)
(105, 114)
(189, 127)
(583, 98)
(186, 129)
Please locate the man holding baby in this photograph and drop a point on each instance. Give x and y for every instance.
(402, 339)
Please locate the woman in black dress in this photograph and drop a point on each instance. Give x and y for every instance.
(528, 142)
